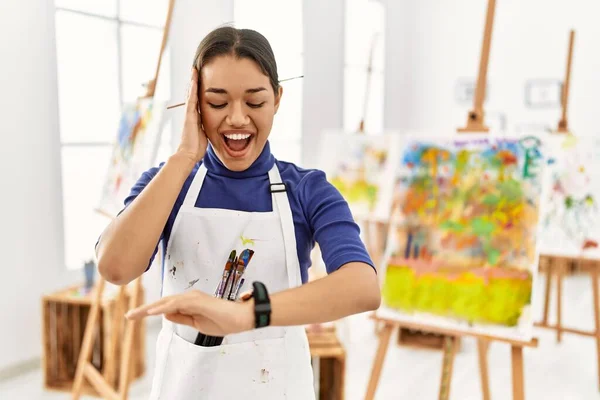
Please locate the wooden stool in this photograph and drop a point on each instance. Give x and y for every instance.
(64, 316)
(558, 266)
(325, 346)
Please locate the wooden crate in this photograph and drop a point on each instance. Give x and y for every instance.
(64, 317)
(325, 345)
(573, 265)
(422, 340)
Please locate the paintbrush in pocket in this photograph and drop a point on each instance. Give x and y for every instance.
(242, 264)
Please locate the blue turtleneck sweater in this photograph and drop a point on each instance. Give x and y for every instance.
(319, 211)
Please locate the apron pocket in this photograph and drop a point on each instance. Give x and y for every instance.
(251, 370)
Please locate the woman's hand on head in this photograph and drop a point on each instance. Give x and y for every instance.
(193, 139)
(205, 313)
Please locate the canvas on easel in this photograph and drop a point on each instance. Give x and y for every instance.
(462, 247)
(571, 219)
(362, 168)
(134, 151)
(512, 185)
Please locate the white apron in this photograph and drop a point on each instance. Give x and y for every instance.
(266, 363)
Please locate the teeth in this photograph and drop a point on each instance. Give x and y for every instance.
(238, 136)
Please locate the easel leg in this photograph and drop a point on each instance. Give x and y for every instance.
(380, 241)
(482, 350)
(115, 336)
(341, 383)
(126, 364)
(88, 340)
(594, 275)
(559, 282)
(447, 364)
(377, 327)
(384, 340)
(368, 237)
(517, 373)
(548, 290)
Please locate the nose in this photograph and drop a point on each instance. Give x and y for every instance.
(237, 117)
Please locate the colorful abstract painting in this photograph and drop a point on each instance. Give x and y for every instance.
(138, 137)
(462, 248)
(362, 168)
(571, 217)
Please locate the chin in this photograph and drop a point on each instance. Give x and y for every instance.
(238, 165)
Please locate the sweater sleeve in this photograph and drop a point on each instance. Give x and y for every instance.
(135, 191)
(139, 186)
(331, 222)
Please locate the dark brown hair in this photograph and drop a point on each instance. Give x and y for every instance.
(242, 43)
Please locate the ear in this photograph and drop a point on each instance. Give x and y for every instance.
(278, 98)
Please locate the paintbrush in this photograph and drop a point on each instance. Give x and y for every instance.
(228, 266)
(243, 261)
(232, 285)
(408, 246)
(283, 80)
(201, 338)
(229, 280)
(237, 290)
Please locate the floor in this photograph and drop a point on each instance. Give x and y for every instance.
(566, 371)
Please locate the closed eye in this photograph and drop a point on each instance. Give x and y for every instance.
(253, 105)
(217, 106)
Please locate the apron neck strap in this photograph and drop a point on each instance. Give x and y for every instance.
(194, 190)
(281, 204)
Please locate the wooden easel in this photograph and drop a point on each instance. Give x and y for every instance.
(476, 117)
(563, 126)
(450, 345)
(105, 384)
(475, 124)
(559, 266)
(361, 127)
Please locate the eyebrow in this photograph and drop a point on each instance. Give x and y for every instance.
(223, 91)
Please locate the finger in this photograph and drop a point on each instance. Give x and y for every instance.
(192, 100)
(142, 311)
(136, 314)
(180, 319)
(170, 307)
(245, 295)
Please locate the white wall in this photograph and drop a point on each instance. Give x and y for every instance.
(31, 241)
(322, 105)
(192, 20)
(433, 43)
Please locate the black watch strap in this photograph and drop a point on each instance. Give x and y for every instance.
(262, 305)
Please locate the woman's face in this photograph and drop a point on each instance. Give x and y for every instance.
(237, 104)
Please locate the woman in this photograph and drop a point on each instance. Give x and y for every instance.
(223, 191)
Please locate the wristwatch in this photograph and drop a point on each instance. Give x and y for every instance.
(262, 305)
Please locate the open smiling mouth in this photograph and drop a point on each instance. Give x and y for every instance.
(237, 143)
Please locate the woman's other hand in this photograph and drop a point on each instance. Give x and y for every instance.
(207, 314)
